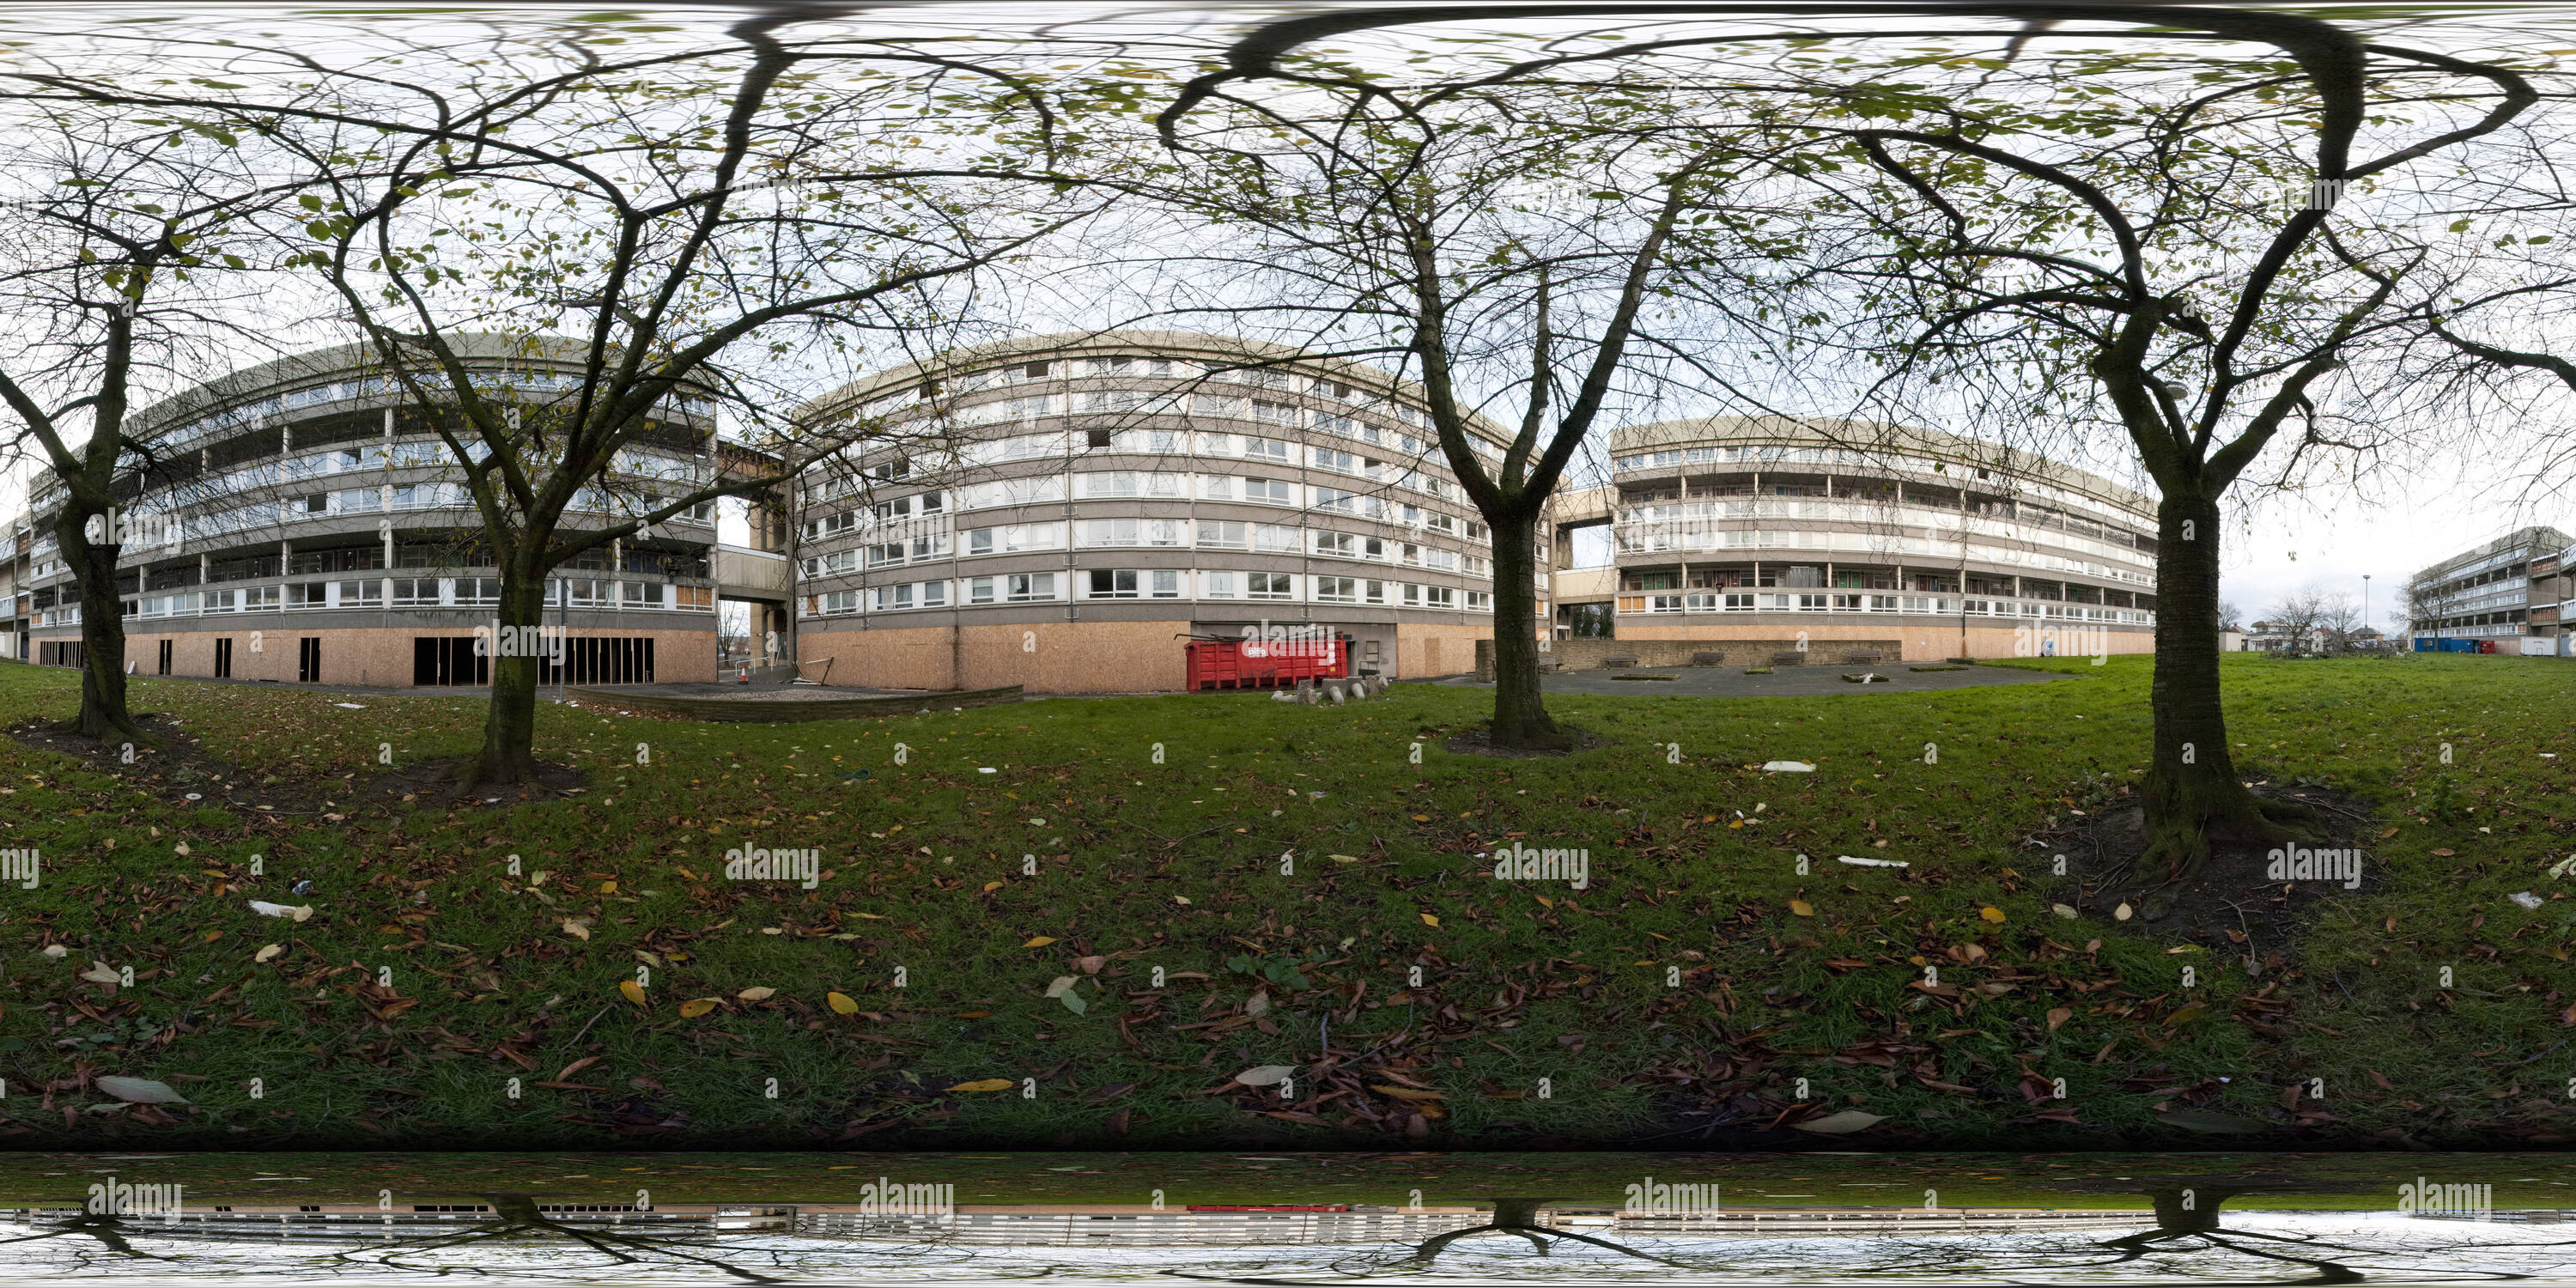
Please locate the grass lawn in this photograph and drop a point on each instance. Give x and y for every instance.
(1249, 849)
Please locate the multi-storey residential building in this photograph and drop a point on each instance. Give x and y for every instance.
(17, 551)
(304, 523)
(1056, 511)
(1766, 528)
(2515, 591)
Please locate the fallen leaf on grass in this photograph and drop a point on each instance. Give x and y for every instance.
(2058, 1015)
(576, 929)
(1265, 1075)
(633, 991)
(2186, 1015)
(1062, 991)
(267, 909)
(1404, 1093)
(1991, 914)
(1841, 1124)
(2211, 1122)
(697, 1006)
(265, 953)
(1431, 921)
(1802, 908)
(1039, 941)
(140, 1091)
(1091, 965)
(101, 973)
(984, 1084)
(841, 1003)
(756, 994)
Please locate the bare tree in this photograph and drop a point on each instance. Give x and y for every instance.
(552, 252)
(2297, 618)
(2155, 262)
(127, 243)
(2338, 620)
(1498, 242)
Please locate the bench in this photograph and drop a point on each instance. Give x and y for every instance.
(1708, 659)
(1791, 658)
(1622, 661)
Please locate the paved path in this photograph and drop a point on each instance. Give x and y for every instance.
(1787, 681)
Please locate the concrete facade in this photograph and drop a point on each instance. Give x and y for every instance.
(1753, 528)
(306, 499)
(1067, 508)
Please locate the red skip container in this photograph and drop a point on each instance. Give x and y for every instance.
(1216, 663)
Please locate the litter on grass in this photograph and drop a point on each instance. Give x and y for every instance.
(1788, 767)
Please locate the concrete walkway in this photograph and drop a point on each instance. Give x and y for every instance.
(1786, 681)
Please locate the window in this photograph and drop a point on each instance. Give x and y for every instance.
(1018, 536)
(415, 592)
(1337, 590)
(1020, 587)
(362, 594)
(892, 597)
(1265, 449)
(1272, 491)
(1270, 585)
(1340, 545)
(1118, 484)
(1276, 413)
(1326, 458)
(1112, 532)
(1164, 584)
(839, 601)
(1336, 499)
(1167, 532)
(1275, 537)
(261, 599)
(1112, 584)
(1095, 437)
(1479, 601)
(1439, 597)
(1220, 585)
(1223, 534)
(638, 594)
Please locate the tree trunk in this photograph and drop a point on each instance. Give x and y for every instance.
(2192, 792)
(1520, 711)
(103, 714)
(510, 722)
